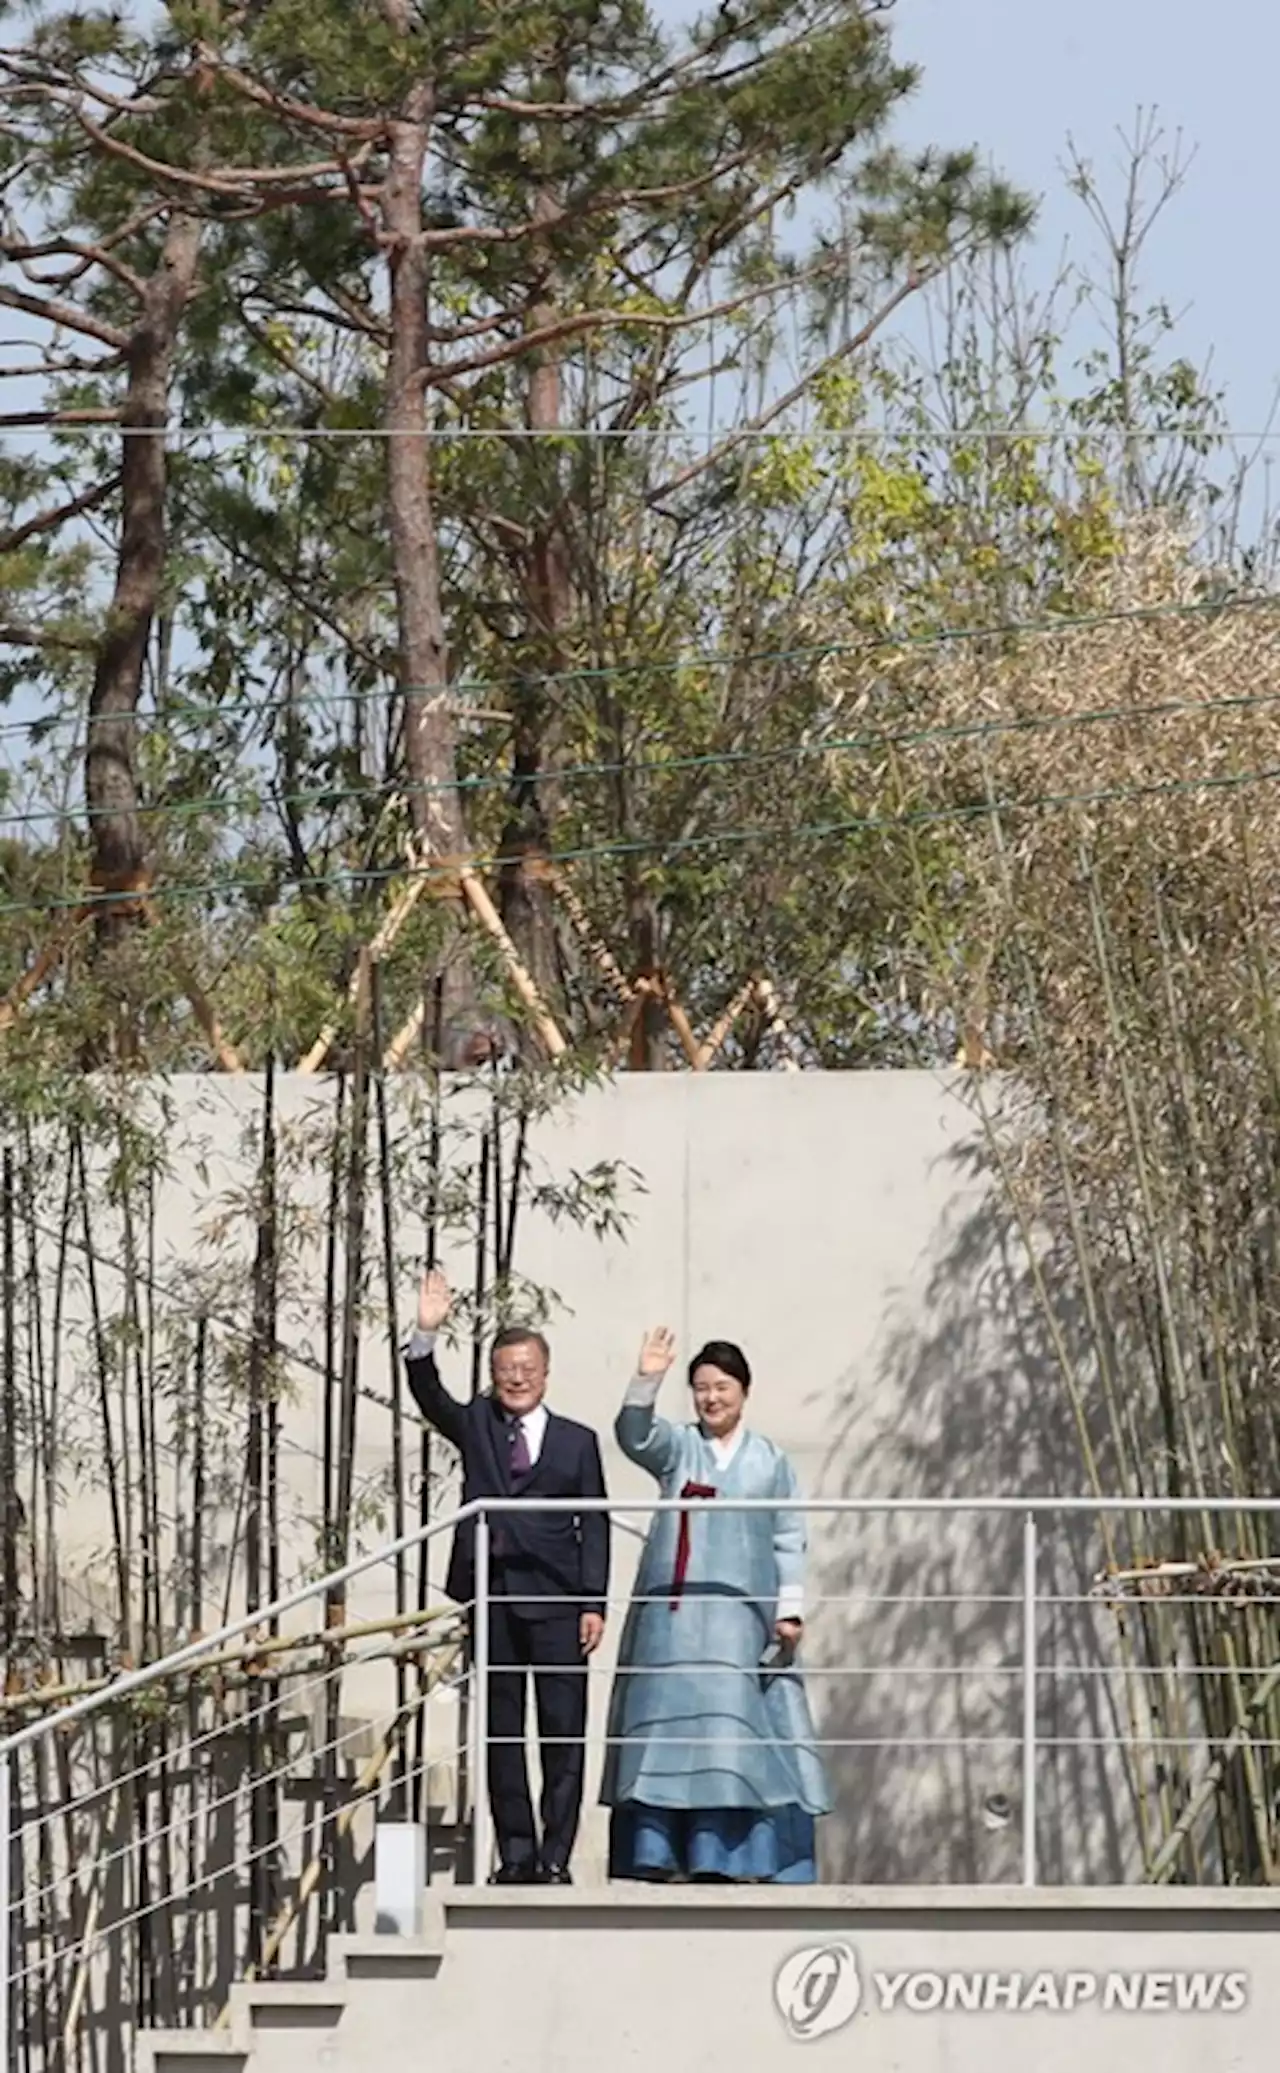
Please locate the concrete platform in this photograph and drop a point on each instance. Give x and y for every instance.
(749, 1980)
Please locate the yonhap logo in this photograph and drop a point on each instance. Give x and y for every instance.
(818, 1990)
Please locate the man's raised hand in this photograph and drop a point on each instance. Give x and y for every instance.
(435, 1299)
(658, 1351)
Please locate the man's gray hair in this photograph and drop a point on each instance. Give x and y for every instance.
(519, 1335)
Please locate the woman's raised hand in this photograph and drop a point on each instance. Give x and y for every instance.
(658, 1351)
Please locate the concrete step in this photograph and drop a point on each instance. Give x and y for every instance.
(191, 2051)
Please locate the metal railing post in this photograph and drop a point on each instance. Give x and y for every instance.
(1029, 1694)
(6, 1905)
(480, 1671)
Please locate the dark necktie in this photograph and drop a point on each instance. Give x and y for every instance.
(520, 1462)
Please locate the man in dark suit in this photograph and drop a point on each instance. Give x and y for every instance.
(548, 1583)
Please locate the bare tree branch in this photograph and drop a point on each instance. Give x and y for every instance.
(35, 370)
(619, 320)
(14, 634)
(15, 420)
(232, 185)
(86, 256)
(51, 310)
(49, 521)
(368, 128)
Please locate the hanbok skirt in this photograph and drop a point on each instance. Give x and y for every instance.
(774, 1846)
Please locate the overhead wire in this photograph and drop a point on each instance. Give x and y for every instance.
(272, 884)
(458, 689)
(270, 881)
(729, 435)
(393, 790)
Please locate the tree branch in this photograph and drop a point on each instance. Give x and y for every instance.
(14, 634)
(619, 320)
(50, 310)
(349, 317)
(369, 128)
(244, 183)
(86, 255)
(15, 420)
(915, 280)
(49, 521)
(36, 370)
(38, 83)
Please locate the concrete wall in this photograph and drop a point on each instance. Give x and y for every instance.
(843, 1228)
(697, 1984)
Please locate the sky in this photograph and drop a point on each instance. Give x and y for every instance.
(1019, 78)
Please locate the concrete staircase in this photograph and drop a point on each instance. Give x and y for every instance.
(706, 1980)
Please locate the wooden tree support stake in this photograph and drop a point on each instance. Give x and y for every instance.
(398, 1049)
(48, 960)
(680, 1023)
(392, 923)
(626, 1028)
(56, 949)
(715, 1041)
(487, 914)
(591, 942)
(202, 1007)
(775, 1022)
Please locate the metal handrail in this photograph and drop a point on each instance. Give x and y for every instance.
(1029, 1509)
(191, 1652)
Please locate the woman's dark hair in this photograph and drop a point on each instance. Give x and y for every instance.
(722, 1354)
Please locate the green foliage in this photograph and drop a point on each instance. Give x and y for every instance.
(680, 709)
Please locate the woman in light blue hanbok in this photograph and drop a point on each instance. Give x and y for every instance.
(711, 1770)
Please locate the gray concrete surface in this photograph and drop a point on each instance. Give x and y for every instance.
(697, 1983)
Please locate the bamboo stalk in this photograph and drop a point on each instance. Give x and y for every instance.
(9, 1436)
(38, 1380)
(52, 1458)
(262, 1825)
(253, 1650)
(117, 1498)
(353, 1279)
(348, 1396)
(431, 1252)
(386, 1197)
(1202, 1797)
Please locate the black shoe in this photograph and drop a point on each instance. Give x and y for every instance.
(514, 1875)
(555, 1875)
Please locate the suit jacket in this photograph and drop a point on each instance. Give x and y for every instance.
(555, 1562)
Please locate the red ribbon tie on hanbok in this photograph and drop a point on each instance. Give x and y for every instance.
(682, 1544)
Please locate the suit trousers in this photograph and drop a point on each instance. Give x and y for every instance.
(548, 1647)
